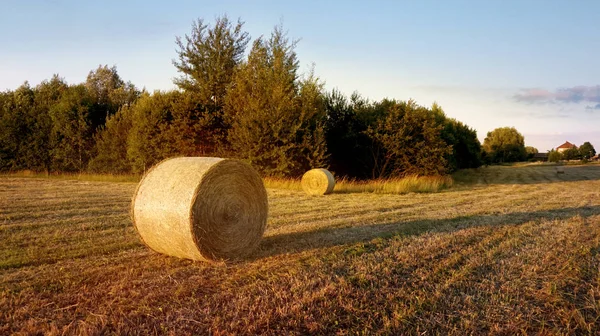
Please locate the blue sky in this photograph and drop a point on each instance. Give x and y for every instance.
(529, 64)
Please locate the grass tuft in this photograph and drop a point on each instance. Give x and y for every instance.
(404, 185)
(75, 176)
(282, 183)
(418, 184)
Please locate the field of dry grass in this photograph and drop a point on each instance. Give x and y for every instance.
(506, 250)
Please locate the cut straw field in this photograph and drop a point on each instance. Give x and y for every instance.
(505, 250)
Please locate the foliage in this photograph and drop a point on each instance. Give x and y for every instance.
(353, 149)
(504, 144)
(150, 116)
(107, 92)
(530, 151)
(72, 130)
(276, 118)
(466, 148)
(51, 127)
(46, 95)
(554, 156)
(260, 109)
(208, 59)
(111, 145)
(407, 141)
(587, 150)
(16, 123)
(348, 146)
(571, 154)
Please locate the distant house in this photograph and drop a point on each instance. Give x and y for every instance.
(564, 147)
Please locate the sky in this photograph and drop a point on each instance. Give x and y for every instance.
(529, 64)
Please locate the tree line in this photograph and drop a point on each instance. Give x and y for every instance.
(506, 144)
(235, 98)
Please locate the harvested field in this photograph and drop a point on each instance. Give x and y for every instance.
(509, 250)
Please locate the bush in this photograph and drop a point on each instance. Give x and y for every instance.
(554, 156)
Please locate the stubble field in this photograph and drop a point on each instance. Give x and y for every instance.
(508, 250)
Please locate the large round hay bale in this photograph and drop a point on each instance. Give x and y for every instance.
(201, 208)
(318, 182)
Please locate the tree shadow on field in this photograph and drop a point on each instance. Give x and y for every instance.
(530, 174)
(329, 237)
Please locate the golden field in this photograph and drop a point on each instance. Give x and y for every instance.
(501, 250)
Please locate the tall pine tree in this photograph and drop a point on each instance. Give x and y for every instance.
(207, 59)
(276, 119)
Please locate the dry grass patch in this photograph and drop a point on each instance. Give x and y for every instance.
(409, 184)
(75, 176)
(528, 174)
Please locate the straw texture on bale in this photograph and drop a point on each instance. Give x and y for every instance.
(318, 182)
(201, 208)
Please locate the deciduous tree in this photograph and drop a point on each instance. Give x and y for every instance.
(107, 92)
(571, 154)
(72, 130)
(587, 150)
(554, 156)
(407, 141)
(505, 144)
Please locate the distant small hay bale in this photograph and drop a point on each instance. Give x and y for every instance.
(318, 182)
(560, 170)
(201, 208)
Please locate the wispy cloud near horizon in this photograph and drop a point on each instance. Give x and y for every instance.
(595, 107)
(575, 94)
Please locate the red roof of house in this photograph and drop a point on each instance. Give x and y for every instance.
(566, 145)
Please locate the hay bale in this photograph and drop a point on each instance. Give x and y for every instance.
(201, 208)
(560, 170)
(318, 182)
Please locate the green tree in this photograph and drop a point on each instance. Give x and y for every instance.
(466, 148)
(276, 118)
(159, 125)
(554, 156)
(25, 126)
(505, 144)
(207, 60)
(348, 147)
(407, 141)
(47, 94)
(571, 154)
(587, 150)
(111, 144)
(531, 151)
(72, 131)
(107, 93)
(6, 150)
(187, 132)
(150, 115)
(15, 126)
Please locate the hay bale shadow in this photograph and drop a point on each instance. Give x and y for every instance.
(330, 237)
